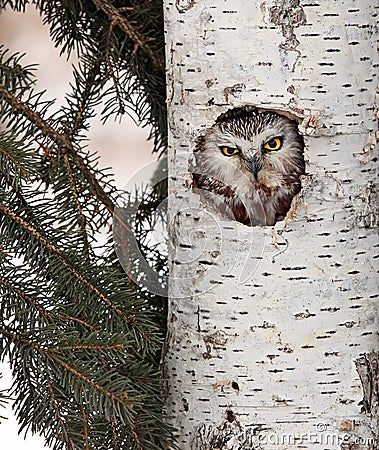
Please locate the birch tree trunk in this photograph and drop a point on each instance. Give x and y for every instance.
(273, 337)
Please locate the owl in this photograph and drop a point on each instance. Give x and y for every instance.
(249, 164)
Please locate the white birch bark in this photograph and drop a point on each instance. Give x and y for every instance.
(273, 330)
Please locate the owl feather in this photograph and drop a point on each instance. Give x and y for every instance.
(249, 164)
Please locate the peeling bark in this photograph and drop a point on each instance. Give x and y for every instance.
(184, 5)
(288, 14)
(273, 330)
(368, 369)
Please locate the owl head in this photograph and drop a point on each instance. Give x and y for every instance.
(248, 147)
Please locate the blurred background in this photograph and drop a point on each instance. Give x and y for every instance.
(123, 147)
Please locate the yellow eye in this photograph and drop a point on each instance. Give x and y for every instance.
(273, 144)
(229, 151)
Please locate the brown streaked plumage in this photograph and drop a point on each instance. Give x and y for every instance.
(248, 165)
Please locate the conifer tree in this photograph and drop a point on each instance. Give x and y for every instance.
(82, 339)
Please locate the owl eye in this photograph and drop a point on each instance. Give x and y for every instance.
(229, 151)
(273, 144)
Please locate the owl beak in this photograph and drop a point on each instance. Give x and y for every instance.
(254, 165)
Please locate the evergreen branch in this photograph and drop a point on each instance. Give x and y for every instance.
(58, 254)
(13, 74)
(138, 442)
(115, 401)
(17, 161)
(27, 298)
(111, 70)
(61, 422)
(75, 319)
(131, 31)
(81, 338)
(80, 216)
(4, 398)
(22, 338)
(114, 433)
(61, 139)
(35, 118)
(110, 395)
(85, 427)
(47, 314)
(49, 353)
(81, 376)
(90, 82)
(98, 191)
(13, 159)
(118, 347)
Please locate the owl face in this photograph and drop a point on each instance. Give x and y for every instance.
(251, 162)
(253, 148)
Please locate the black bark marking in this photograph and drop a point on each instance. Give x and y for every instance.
(229, 416)
(185, 405)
